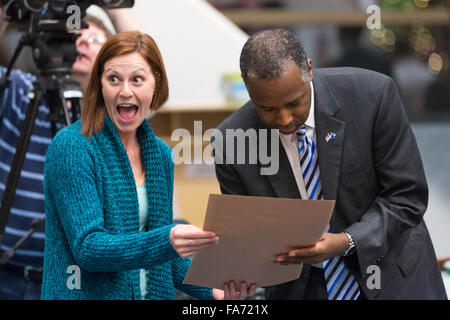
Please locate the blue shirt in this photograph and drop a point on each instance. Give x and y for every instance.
(29, 199)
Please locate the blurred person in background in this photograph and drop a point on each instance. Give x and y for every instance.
(437, 95)
(358, 56)
(413, 77)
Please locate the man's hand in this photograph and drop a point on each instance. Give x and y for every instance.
(330, 245)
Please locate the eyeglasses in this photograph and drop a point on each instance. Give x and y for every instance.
(96, 39)
(93, 38)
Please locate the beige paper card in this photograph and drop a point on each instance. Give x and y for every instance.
(253, 231)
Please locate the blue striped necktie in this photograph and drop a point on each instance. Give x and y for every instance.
(341, 284)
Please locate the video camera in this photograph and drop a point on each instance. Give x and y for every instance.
(20, 11)
(45, 21)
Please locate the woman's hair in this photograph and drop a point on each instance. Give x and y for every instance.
(94, 110)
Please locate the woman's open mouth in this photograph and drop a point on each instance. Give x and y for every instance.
(127, 111)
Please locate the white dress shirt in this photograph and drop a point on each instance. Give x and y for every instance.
(290, 145)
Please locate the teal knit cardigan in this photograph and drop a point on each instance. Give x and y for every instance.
(92, 219)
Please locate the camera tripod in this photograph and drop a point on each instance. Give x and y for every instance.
(56, 86)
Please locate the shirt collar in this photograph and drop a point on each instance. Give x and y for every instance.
(310, 122)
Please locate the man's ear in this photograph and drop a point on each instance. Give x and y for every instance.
(243, 79)
(245, 82)
(310, 70)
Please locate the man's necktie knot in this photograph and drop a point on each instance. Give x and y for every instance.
(301, 133)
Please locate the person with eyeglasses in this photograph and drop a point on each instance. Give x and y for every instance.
(21, 276)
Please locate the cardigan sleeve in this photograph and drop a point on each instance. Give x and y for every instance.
(179, 269)
(70, 183)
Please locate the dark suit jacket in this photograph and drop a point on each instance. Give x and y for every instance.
(372, 169)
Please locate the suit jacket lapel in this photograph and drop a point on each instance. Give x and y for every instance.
(330, 152)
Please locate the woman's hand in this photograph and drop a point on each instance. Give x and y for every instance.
(230, 291)
(187, 239)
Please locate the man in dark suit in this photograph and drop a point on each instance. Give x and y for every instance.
(344, 136)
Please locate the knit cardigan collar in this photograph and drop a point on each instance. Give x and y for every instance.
(157, 175)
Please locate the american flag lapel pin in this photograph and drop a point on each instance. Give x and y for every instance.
(330, 136)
